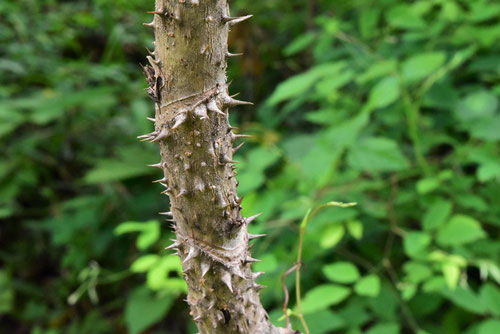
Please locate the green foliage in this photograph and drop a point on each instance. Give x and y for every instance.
(342, 272)
(391, 104)
(323, 296)
(143, 309)
(397, 110)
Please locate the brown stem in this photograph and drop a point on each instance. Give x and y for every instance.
(187, 80)
(287, 296)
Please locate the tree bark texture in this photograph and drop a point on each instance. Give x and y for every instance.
(187, 81)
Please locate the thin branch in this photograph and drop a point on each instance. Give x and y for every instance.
(287, 297)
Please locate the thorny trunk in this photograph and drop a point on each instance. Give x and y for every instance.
(187, 79)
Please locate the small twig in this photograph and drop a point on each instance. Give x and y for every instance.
(309, 215)
(386, 261)
(287, 297)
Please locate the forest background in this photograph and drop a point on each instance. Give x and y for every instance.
(391, 104)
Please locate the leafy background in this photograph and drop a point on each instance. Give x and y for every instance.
(388, 103)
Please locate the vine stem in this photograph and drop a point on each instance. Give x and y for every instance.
(298, 264)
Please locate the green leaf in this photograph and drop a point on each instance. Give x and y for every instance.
(417, 272)
(324, 321)
(466, 299)
(427, 185)
(437, 214)
(299, 44)
(419, 66)
(324, 296)
(408, 291)
(490, 297)
(415, 243)
(262, 157)
(110, 170)
(451, 272)
(327, 86)
(461, 229)
(341, 272)
(377, 70)
(488, 171)
(149, 232)
(158, 277)
(6, 293)
(355, 228)
(376, 155)
(478, 105)
(368, 20)
(483, 11)
(131, 162)
(384, 328)
(368, 286)
(331, 236)
(149, 236)
(486, 129)
(143, 309)
(301, 83)
(404, 17)
(384, 93)
(144, 263)
(491, 326)
(268, 264)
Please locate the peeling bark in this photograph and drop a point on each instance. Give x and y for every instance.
(187, 81)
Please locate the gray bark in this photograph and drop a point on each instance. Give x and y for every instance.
(187, 79)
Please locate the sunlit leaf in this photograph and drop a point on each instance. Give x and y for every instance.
(143, 309)
(368, 286)
(341, 272)
(323, 296)
(459, 230)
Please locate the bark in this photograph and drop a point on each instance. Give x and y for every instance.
(187, 79)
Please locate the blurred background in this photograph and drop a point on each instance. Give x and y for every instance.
(392, 104)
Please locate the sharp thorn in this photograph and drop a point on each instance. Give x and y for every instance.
(158, 165)
(257, 274)
(201, 111)
(227, 160)
(237, 271)
(248, 220)
(255, 236)
(205, 267)
(168, 213)
(193, 252)
(179, 120)
(234, 20)
(236, 136)
(229, 54)
(238, 147)
(239, 200)
(148, 135)
(226, 279)
(163, 134)
(182, 192)
(164, 179)
(212, 106)
(250, 259)
(174, 245)
(156, 12)
(229, 101)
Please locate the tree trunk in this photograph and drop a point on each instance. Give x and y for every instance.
(187, 79)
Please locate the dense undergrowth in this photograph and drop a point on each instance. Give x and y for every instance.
(390, 104)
